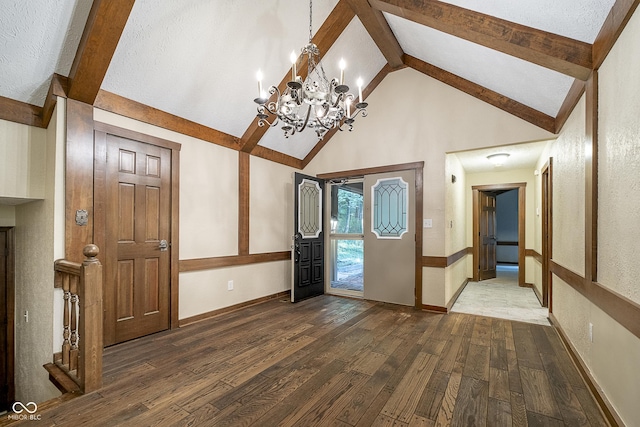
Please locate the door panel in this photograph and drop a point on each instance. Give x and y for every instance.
(389, 237)
(308, 246)
(138, 219)
(487, 235)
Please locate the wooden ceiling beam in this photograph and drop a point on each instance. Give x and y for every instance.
(611, 29)
(379, 31)
(365, 93)
(570, 102)
(558, 53)
(20, 112)
(502, 102)
(326, 36)
(33, 115)
(117, 104)
(102, 32)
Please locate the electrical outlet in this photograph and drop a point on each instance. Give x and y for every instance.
(590, 331)
(230, 285)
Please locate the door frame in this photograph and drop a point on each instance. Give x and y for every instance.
(547, 232)
(418, 167)
(332, 237)
(101, 130)
(476, 189)
(10, 311)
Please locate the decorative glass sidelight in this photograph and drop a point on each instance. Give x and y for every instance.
(390, 208)
(309, 213)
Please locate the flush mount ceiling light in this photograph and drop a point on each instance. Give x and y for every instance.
(498, 159)
(315, 102)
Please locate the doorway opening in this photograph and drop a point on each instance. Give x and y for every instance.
(7, 314)
(346, 237)
(507, 235)
(485, 230)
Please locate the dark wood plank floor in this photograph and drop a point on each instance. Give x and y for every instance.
(341, 362)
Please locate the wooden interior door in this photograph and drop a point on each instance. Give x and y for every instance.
(6, 319)
(308, 239)
(487, 237)
(138, 247)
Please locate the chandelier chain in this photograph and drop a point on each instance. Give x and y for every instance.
(310, 20)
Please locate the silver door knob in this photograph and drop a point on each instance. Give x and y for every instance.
(163, 245)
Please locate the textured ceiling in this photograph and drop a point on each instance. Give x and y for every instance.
(37, 38)
(521, 156)
(197, 59)
(523, 81)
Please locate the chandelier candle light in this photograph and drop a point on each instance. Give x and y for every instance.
(315, 102)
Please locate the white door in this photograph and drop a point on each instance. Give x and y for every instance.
(389, 237)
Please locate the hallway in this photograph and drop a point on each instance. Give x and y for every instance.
(502, 298)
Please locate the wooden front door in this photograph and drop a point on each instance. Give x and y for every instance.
(308, 239)
(137, 239)
(487, 261)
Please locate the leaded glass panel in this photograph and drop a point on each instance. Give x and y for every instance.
(309, 214)
(390, 210)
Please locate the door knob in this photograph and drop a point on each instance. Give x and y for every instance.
(163, 245)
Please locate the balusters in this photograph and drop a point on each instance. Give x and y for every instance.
(73, 354)
(70, 321)
(66, 333)
(81, 284)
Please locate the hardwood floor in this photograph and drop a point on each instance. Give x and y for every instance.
(342, 362)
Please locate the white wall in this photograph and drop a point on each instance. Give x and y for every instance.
(613, 355)
(455, 221)
(7, 216)
(23, 163)
(413, 117)
(271, 206)
(36, 250)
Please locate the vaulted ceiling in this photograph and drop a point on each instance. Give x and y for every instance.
(190, 65)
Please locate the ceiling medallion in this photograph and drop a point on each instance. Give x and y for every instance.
(313, 103)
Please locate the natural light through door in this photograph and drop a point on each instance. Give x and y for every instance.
(346, 238)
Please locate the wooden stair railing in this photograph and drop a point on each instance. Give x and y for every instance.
(78, 367)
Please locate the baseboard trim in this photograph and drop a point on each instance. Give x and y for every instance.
(605, 406)
(434, 308)
(535, 291)
(208, 315)
(455, 296)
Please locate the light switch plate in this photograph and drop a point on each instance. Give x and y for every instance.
(427, 223)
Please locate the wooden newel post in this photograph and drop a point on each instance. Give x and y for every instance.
(91, 336)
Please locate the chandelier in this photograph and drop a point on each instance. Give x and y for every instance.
(314, 103)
